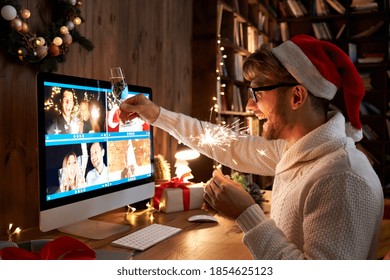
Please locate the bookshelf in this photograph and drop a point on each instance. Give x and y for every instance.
(225, 32)
(361, 29)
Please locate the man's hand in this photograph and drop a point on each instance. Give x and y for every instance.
(227, 196)
(139, 106)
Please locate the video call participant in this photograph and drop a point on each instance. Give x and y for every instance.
(85, 114)
(99, 173)
(62, 123)
(70, 177)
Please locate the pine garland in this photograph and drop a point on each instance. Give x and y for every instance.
(46, 50)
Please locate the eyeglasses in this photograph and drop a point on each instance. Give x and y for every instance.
(253, 91)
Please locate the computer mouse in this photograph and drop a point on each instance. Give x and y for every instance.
(202, 219)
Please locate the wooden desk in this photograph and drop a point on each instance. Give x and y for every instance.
(196, 241)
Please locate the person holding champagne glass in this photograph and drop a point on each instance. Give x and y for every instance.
(120, 93)
(327, 201)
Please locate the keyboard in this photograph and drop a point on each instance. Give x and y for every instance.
(146, 237)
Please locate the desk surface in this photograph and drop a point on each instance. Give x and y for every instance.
(202, 241)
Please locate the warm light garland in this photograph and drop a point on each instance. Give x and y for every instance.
(11, 233)
(48, 49)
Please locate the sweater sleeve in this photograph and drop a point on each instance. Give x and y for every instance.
(245, 153)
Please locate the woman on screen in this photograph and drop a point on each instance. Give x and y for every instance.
(70, 177)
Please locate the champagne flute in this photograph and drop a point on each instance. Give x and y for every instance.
(119, 88)
(118, 83)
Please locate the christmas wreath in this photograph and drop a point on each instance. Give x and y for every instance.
(52, 44)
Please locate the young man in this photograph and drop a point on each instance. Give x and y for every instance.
(99, 173)
(62, 123)
(327, 201)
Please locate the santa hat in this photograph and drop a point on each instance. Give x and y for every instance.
(323, 68)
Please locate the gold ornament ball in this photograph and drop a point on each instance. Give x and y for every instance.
(8, 12)
(25, 13)
(54, 50)
(17, 24)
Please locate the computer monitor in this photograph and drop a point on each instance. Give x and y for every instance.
(89, 161)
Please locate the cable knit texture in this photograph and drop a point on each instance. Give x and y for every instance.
(327, 201)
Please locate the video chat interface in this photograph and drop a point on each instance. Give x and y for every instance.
(87, 146)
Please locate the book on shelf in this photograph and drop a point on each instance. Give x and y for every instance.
(238, 61)
(364, 5)
(352, 52)
(367, 108)
(388, 127)
(284, 32)
(282, 9)
(369, 133)
(295, 8)
(370, 59)
(341, 30)
(336, 6)
(366, 77)
(239, 33)
(322, 31)
(261, 21)
(219, 18)
(369, 31)
(237, 101)
(321, 9)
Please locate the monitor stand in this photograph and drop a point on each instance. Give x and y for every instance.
(93, 229)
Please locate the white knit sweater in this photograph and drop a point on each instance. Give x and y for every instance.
(327, 201)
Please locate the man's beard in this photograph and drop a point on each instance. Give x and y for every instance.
(276, 123)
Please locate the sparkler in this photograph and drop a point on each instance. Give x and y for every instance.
(220, 136)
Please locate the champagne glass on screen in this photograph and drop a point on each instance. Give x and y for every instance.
(119, 88)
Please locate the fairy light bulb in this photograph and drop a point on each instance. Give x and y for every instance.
(40, 41)
(77, 21)
(25, 13)
(57, 41)
(64, 30)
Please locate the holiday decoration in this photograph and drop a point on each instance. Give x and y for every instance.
(49, 48)
(175, 196)
(162, 169)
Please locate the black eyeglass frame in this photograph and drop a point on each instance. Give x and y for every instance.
(252, 91)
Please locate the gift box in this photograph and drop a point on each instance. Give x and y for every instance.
(175, 196)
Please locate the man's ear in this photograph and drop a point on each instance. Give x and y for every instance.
(299, 96)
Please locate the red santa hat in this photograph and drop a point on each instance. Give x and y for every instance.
(323, 68)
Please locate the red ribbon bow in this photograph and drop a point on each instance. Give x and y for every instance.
(61, 248)
(174, 183)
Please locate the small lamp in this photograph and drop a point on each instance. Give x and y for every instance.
(183, 154)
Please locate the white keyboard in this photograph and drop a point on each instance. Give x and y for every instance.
(146, 237)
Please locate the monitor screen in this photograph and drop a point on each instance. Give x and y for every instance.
(90, 162)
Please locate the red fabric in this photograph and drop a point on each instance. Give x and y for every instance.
(174, 183)
(61, 248)
(336, 67)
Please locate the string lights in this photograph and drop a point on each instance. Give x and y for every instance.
(11, 233)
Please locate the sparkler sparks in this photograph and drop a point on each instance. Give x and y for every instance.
(220, 136)
(262, 152)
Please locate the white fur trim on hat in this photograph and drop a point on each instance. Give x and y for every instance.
(355, 134)
(303, 70)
